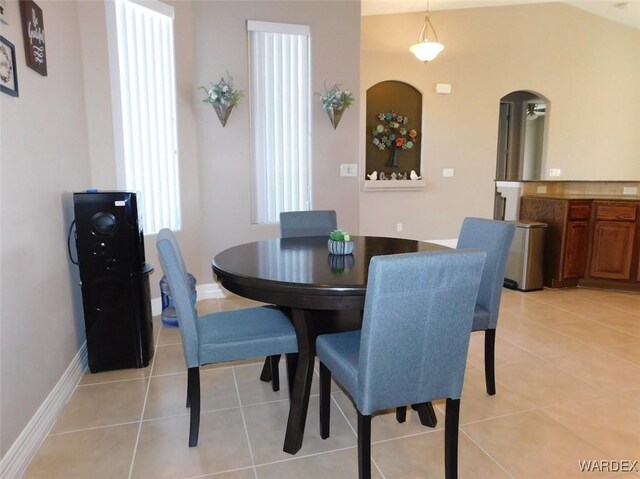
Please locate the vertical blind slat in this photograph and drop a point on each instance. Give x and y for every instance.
(280, 86)
(145, 51)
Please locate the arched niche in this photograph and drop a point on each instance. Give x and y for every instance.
(404, 100)
(521, 136)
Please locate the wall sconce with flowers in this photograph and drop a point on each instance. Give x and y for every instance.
(222, 97)
(335, 101)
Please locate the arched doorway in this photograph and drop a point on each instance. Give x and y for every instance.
(521, 145)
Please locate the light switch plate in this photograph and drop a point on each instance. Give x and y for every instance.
(555, 171)
(630, 190)
(447, 172)
(541, 189)
(348, 169)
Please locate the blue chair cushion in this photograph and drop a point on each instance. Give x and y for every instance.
(244, 333)
(339, 352)
(481, 319)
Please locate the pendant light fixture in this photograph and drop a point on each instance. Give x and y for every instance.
(426, 50)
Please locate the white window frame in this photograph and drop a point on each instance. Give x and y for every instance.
(150, 166)
(274, 169)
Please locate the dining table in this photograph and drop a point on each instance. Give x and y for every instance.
(321, 293)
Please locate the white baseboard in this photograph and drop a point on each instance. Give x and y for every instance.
(451, 243)
(204, 291)
(18, 457)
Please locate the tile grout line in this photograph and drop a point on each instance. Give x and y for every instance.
(144, 406)
(498, 463)
(244, 424)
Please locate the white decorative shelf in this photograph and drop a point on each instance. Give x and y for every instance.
(394, 185)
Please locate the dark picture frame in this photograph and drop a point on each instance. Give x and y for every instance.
(8, 68)
(34, 37)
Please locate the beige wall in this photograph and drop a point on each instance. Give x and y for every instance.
(588, 68)
(224, 153)
(44, 158)
(57, 137)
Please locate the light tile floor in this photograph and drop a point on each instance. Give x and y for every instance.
(568, 373)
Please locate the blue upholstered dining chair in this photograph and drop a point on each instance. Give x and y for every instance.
(307, 223)
(218, 337)
(413, 344)
(295, 224)
(494, 238)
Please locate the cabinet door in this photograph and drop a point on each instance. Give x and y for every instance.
(611, 250)
(575, 249)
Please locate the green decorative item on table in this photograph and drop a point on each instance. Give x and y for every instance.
(392, 133)
(340, 242)
(335, 101)
(222, 97)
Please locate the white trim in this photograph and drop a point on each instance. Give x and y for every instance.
(156, 6)
(18, 457)
(451, 243)
(271, 27)
(393, 185)
(204, 291)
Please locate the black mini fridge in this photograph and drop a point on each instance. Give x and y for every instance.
(114, 278)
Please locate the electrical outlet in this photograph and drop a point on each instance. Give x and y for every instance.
(399, 227)
(348, 169)
(555, 171)
(541, 189)
(446, 172)
(630, 190)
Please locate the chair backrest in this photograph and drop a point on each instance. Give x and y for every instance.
(307, 223)
(494, 238)
(416, 327)
(174, 269)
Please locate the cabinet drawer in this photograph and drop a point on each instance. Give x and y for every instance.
(579, 211)
(616, 212)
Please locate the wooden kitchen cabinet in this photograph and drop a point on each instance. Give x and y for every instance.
(575, 249)
(613, 240)
(588, 242)
(566, 240)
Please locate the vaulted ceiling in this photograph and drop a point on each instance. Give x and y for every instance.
(622, 11)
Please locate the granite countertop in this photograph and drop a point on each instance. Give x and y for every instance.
(573, 196)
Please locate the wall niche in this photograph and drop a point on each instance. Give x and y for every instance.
(402, 99)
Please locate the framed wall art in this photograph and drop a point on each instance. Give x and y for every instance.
(3, 12)
(33, 34)
(8, 73)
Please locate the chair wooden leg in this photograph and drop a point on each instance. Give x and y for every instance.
(193, 392)
(325, 401)
(426, 414)
(451, 423)
(292, 364)
(265, 375)
(489, 360)
(275, 373)
(401, 414)
(364, 446)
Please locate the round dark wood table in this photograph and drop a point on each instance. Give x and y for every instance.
(323, 292)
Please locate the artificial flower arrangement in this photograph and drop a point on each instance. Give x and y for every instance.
(392, 132)
(222, 93)
(340, 235)
(340, 242)
(336, 98)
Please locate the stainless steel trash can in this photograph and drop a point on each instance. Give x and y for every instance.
(524, 266)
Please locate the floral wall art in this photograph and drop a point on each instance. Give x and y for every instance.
(8, 74)
(394, 131)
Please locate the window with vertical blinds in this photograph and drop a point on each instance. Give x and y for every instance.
(280, 118)
(147, 126)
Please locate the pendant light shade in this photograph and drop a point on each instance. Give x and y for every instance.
(426, 50)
